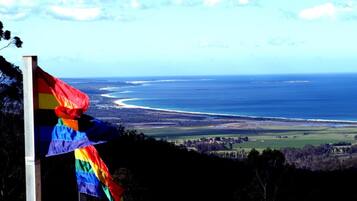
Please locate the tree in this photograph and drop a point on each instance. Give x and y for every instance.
(6, 35)
(12, 171)
(10, 77)
(268, 173)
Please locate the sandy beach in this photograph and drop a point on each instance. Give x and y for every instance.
(137, 117)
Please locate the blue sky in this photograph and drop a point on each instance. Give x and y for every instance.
(99, 38)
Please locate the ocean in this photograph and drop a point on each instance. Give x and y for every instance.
(318, 97)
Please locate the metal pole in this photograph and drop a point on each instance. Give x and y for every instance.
(32, 161)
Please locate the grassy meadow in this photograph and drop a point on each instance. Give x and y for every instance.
(275, 137)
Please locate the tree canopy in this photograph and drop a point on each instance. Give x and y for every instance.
(6, 35)
(10, 77)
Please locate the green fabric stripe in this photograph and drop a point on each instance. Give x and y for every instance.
(83, 166)
(107, 192)
(60, 122)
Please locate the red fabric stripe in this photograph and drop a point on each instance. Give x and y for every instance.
(42, 87)
(72, 101)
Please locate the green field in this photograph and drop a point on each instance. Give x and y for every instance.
(275, 137)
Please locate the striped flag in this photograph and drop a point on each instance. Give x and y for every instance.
(67, 101)
(76, 132)
(54, 96)
(62, 125)
(93, 177)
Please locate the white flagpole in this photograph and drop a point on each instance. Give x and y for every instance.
(32, 160)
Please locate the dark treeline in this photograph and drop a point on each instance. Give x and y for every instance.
(12, 162)
(12, 157)
(157, 170)
(326, 157)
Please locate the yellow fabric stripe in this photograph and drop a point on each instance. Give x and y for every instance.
(81, 154)
(47, 101)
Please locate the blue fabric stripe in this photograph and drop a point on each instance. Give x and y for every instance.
(64, 133)
(60, 147)
(86, 177)
(89, 184)
(65, 139)
(92, 131)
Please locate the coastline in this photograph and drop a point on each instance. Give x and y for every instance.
(121, 104)
(177, 126)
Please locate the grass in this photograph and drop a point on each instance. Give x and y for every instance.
(275, 137)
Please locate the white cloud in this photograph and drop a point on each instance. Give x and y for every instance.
(14, 16)
(135, 4)
(243, 2)
(80, 14)
(188, 3)
(16, 9)
(320, 11)
(85, 10)
(7, 2)
(211, 2)
(177, 2)
(17, 3)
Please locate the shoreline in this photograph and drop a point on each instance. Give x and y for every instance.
(120, 103)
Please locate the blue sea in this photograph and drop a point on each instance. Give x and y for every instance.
(325, 96)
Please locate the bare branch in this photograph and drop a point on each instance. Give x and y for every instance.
(8, 45)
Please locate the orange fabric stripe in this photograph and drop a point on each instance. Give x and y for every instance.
(71, 123)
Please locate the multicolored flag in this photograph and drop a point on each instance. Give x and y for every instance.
(93, 177)
(63, 126)
(76, 132)
(67, 101)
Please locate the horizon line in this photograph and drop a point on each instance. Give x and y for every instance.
(212, 75)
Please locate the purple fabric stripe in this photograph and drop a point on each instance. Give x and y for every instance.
(64, 139)
(89, 184)
(62, 146)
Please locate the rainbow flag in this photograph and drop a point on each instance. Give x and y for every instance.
(93, 177)
(76, 132)
(54, 94)
(62, 125)
(56, 99)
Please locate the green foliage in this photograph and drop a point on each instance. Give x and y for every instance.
(12, 168)
(6, 35)
(11, 92)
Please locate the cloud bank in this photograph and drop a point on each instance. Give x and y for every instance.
(320, 11)
(81, 10)
(78, 14)
(341, 11)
